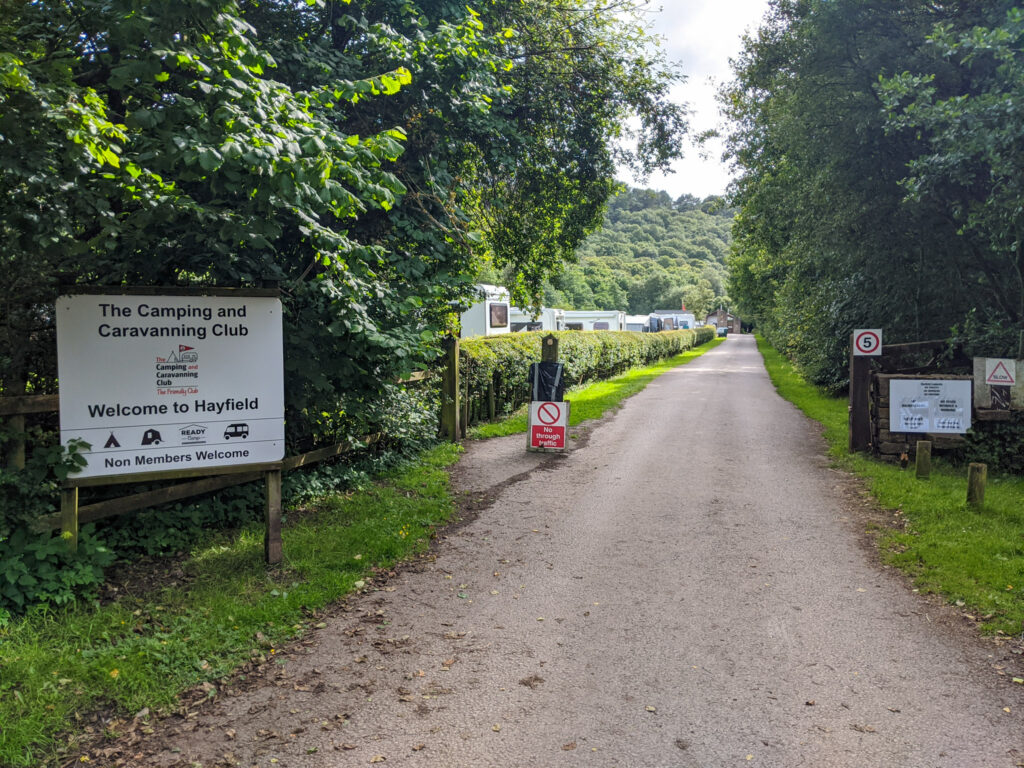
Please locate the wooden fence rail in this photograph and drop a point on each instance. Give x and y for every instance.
(72, 516)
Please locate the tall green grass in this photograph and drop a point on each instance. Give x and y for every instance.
(973, 557)
(143, 651)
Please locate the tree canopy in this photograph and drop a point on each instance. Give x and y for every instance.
(859, 201)
(365, 155)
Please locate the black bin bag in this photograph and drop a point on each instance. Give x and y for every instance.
(547, 382)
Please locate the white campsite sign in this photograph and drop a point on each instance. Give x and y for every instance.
(867, 342)
(1000, 371)
(167, 383)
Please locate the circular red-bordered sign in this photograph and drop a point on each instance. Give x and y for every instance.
(867, 342)
(549, 413)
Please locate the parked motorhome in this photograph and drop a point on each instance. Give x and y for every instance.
(595, 320)
(490, 315)
(548, 319)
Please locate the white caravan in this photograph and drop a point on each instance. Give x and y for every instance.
(595, 320)
(490, 315)
(548, 319)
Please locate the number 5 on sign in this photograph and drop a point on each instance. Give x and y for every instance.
(867, 342)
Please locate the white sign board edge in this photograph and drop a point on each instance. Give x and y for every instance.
(934, 406)
(163, 383)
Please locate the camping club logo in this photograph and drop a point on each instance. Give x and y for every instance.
(193, 434)
(178, 372)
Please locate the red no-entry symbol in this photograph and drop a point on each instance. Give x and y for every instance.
(867, 341)
(549, 413)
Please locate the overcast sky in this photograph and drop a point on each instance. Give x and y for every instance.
(701, 35)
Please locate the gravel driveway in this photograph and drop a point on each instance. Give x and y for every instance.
(688, 586)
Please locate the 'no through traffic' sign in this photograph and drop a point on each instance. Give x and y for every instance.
(548, 423)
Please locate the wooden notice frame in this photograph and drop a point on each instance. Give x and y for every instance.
(271, 471)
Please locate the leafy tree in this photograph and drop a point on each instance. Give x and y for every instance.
(365, 154)
(826, 239)
(971, 159)
(157, 149)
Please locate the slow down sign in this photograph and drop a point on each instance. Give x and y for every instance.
(547, 425)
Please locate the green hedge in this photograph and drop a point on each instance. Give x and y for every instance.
(494, 370)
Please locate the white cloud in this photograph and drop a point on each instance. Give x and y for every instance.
(701, 35)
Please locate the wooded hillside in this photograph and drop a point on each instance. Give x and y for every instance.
(651, 252)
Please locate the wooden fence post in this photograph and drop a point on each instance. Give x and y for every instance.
(16, 451)
(549, 349)
(464, 410)
(272, 549)
(69, 516)
(450, 391)
(924, 459)
(977, 475)
(860, 398)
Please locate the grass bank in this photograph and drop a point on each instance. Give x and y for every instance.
(59, 664)
(592, 401)
(974, 559)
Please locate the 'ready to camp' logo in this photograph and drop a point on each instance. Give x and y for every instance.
(193, 434)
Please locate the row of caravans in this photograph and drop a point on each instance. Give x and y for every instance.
(494, 314)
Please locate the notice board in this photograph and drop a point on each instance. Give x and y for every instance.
(161, 383)
(936, 406)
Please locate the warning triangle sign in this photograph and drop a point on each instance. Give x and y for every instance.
(1000, 374)
(112, 442)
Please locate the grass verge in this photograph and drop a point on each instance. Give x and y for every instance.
(59, 664)
(972, 558)
(592, 401)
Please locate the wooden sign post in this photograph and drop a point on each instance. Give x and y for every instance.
(862, 349)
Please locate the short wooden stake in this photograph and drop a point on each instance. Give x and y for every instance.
(272, 538)
(924, 459)
(69, 517)
(977, 475)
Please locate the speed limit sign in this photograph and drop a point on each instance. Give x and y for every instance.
(867, 341)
